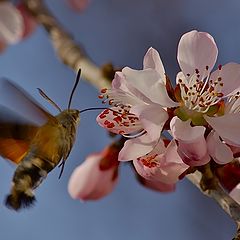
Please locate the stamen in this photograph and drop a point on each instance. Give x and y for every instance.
(135, 135)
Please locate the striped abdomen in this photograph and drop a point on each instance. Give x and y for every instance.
(28, 175)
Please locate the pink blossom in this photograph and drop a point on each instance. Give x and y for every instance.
(202, 114)
(96, 177)
(162, 164)
(138, 99)
(11, 24)
(202, 90)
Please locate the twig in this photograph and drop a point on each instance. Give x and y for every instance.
(67, 50)
(222, 198)
(74, 56)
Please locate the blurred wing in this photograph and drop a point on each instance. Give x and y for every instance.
(24, 104)
(16, 134)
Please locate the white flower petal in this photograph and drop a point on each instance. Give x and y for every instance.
(218, 150)
(119, 82)
(152, 117)
(196, 50)
(135, 148)
(11, 23)
(148, 82)
(153, 60)
(230, 75)
(167, 165)
(181, 76)
(114, 122)
(192, 146)
(227, 127)
(183, 131)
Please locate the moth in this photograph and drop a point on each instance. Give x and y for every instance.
(36, 149)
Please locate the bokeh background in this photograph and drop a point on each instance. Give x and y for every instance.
(119, 31)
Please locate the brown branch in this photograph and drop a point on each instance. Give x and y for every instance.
(222, 198)
(67, 50)
(74, 56)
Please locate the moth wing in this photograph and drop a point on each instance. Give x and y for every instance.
(23, 103)
(16, 134)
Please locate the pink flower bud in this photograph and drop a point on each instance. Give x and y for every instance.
(96, 177)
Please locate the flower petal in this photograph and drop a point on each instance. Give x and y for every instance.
(196, 50)
(11, 23)
(218, 150)
(158, 186)
(88, 182)
(149, 83)
(152, 60)
(230, 77)
(152, 118)
(125, 93)
(192, 146)
(227, 127)
(135, 148)
(182, 130)
(181, 76)
(161, 164)
(29, 21)
(235, 194)
(115, 121)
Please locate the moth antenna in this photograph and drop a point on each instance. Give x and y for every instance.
(74, 87)
(49, 99)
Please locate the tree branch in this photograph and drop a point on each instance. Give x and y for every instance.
(75, 57)
(67, 50)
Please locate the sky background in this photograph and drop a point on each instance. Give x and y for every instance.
(117, 31)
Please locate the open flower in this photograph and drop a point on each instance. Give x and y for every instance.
(202, 114)
(96, 177)
(138, 99)
(203, 94)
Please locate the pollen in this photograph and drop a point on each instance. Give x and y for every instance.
(149, 161)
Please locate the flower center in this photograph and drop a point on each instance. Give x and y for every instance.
(149, 160)
(119, 116)
(199, 92)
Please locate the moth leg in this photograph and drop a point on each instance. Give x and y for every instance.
(62, 165)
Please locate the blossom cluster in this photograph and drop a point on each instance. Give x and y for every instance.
(201, 114)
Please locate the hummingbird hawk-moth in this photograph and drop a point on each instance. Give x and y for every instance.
(36, 149)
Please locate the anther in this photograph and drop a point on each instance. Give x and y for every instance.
(104, 90)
